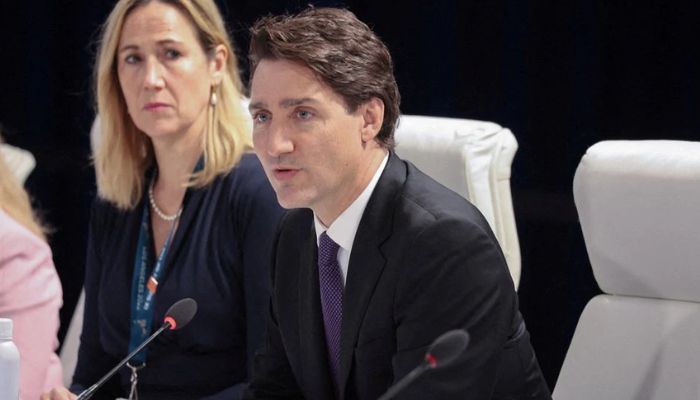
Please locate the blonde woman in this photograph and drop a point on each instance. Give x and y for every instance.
(184, 209)
(30, 291)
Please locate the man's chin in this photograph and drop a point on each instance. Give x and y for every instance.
(291, 200)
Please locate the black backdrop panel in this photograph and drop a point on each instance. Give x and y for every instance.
(560, 75)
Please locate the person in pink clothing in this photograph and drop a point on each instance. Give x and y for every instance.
(30, 291)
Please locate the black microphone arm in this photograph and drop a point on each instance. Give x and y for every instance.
(177, 316)
(441, 352)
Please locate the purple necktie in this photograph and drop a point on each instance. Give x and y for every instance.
(331, 282)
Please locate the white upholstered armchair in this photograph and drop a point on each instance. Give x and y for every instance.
(21, 162)
(473, 158)
(639, 207)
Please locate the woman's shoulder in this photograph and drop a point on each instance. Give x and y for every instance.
(247, 176)
(28, 279)
(249, 167)
(104, 208)
(15, 234)
(105, 216)
(248, 186)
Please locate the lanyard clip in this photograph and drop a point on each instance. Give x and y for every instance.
(133, 393)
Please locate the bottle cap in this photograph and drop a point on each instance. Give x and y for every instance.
(5, 329)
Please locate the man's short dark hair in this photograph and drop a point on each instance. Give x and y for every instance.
(341, 50)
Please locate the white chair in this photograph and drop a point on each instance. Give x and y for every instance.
(20, 162)
(473, 158)
(71, 342)
(639, 207)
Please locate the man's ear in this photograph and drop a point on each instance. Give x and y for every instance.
(217, 64)
(373, 117)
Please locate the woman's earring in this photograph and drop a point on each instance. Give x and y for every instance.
(212, 98)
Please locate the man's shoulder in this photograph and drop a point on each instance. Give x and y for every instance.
(422, 195)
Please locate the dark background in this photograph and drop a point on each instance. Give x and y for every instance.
(561, 75)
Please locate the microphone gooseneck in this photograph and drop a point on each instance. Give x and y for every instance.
(444, 350)
(177, 316)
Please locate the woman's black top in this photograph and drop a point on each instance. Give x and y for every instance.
(219, 256)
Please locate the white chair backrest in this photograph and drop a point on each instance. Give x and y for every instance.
(19, 161)
(71, 343)
(472, 158)
(639, 207)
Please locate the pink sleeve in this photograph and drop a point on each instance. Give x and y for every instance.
(30, 294)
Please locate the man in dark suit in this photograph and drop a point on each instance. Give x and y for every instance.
(376, 259)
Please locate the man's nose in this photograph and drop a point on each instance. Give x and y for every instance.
(278, 141)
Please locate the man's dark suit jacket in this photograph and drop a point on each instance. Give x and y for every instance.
(424, 261)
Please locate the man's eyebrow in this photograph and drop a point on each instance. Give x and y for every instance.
(285, 103)
(256, 106)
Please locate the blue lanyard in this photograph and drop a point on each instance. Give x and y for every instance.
(142, 290)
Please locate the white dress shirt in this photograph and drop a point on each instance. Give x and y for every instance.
(343, 229)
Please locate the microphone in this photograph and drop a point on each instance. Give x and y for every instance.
(177, 316)
(441, 352)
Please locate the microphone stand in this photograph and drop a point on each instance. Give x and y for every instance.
(441, 352)
(87, 393)
(405, 381)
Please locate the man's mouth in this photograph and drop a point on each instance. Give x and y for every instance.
(284, 173)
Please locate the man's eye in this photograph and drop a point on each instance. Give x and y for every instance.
(259, 118)
(305, 115)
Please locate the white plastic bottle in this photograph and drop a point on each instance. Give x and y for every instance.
(9, 362)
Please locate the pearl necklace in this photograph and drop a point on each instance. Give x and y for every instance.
(159, 212)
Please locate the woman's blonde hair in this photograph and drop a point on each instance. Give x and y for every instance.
(124, 152)
(14, 200)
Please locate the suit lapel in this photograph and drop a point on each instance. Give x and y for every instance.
(312, 337)
(367, 260)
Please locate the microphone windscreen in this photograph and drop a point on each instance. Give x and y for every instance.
(447, 347)
(181, 313)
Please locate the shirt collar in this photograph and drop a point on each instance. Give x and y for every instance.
(343, 229)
